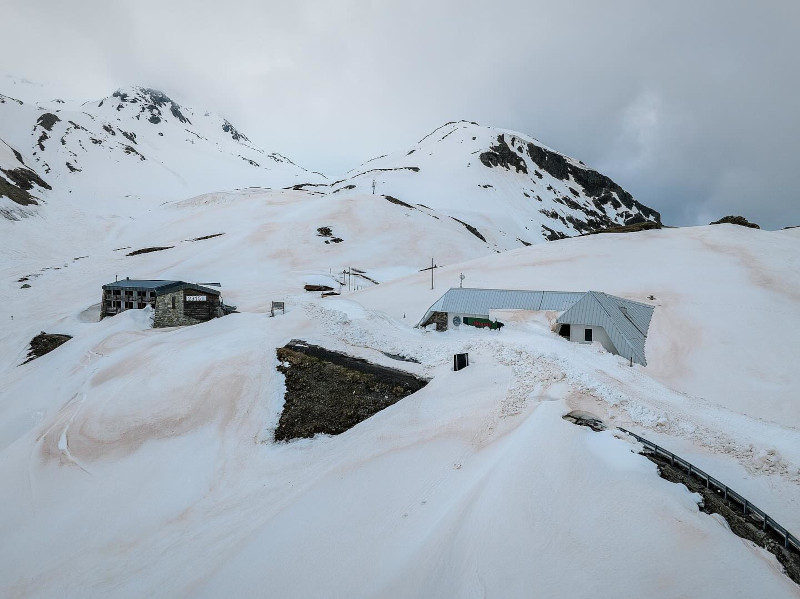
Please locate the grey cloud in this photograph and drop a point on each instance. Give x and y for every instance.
(689, 105)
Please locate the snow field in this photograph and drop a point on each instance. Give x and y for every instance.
(135, 451)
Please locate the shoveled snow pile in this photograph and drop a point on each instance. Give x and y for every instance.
(130, 452)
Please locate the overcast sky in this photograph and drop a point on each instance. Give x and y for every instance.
(691, 106)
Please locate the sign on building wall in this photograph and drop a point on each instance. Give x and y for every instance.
(195, 298)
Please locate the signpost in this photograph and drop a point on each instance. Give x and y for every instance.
(277, 306)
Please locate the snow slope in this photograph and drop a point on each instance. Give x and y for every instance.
(511, 188)
(726, 301)
(136, 149)
(129, 452)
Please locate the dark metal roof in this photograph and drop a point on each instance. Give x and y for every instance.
(159, 286)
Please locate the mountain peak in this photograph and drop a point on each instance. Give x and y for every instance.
(150, 102)
(507, 185)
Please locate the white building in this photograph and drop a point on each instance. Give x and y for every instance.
(618, 324)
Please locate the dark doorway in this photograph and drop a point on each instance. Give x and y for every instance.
(564, 331)
(587, 334)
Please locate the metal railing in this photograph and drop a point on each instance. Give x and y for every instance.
(767, 521)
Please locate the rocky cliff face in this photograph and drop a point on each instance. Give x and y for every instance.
(20, 185)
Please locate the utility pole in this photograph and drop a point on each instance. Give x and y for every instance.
(373, 186)
(432, 267)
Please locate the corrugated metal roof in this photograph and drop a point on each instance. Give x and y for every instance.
(626, 322)
(559, 300)
(478, 302)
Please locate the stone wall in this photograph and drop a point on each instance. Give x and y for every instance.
(440, 318)
(167, 316)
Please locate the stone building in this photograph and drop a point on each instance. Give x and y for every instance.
(176, 303)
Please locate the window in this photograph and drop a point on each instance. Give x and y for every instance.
(587, 334)
(128, 305)
(564, 331)
(142, 305)
(173, 302)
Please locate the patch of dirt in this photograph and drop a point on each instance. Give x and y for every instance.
(587, 419)
(471, 229)
(501, 154)
(148, 250)
(318, 288)
(15, 194)
(640, 226)
(207, 237)
(44, 343)
(394, 200)
(329, 392)
(47, 120)
(735, 220)
(328, 232)
(400, 358)
(551, 234)
(132, 150)
(25, 178)
(746, 526)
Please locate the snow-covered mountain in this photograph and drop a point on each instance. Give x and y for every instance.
(130, 451)
(507, 188)
(133, 149)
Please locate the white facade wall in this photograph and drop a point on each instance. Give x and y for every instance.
(577, 334)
